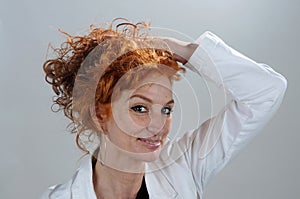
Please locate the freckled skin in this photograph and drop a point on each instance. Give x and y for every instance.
(142, 112)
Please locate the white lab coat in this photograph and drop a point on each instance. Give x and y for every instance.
(256, 91)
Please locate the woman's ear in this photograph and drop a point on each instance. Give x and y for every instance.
(99, 117)
(94, 116)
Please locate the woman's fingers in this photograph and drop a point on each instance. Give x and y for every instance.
(182, 50)
(180, 59)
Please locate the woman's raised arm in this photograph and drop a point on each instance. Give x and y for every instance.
(256, 91)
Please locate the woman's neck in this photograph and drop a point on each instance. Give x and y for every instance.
(119, 159)
(110, 183)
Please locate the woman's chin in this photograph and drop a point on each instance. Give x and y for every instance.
(148, 156)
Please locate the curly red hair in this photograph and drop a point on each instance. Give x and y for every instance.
(83, 53)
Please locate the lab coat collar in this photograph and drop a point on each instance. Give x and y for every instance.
(82, 185)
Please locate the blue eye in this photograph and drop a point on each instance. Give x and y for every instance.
(139, 109)
(166, 110)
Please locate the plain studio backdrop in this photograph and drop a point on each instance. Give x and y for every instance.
(36, 149)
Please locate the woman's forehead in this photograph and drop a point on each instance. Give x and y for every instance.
(153, 84)
(153, 92)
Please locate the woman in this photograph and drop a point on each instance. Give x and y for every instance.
(116, 87)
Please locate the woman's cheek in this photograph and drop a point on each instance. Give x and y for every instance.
(168, 123)
(139, 120)
(167, 127)
(131, 123)
(139, 124)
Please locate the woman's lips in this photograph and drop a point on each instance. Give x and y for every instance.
(150, 143)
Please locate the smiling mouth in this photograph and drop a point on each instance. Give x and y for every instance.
(150, 143)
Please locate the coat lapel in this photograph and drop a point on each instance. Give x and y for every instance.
(158, 184)
(82, 186)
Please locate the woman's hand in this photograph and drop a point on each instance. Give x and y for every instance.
(182, 50)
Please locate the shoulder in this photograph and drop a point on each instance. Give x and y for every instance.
(59, 191)
(79, 184)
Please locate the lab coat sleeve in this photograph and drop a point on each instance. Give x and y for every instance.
(256, 91)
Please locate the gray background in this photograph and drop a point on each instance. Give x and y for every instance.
(36, 150)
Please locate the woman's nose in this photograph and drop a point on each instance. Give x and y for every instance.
(157, 120)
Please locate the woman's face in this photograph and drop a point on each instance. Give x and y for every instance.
(141, 117)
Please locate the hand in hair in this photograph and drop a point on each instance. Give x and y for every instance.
(182, 50)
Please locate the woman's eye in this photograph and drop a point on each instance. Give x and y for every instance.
(166, 110)
(139, 109)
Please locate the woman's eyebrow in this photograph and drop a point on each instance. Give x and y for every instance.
(149, 100)
(170, 102)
